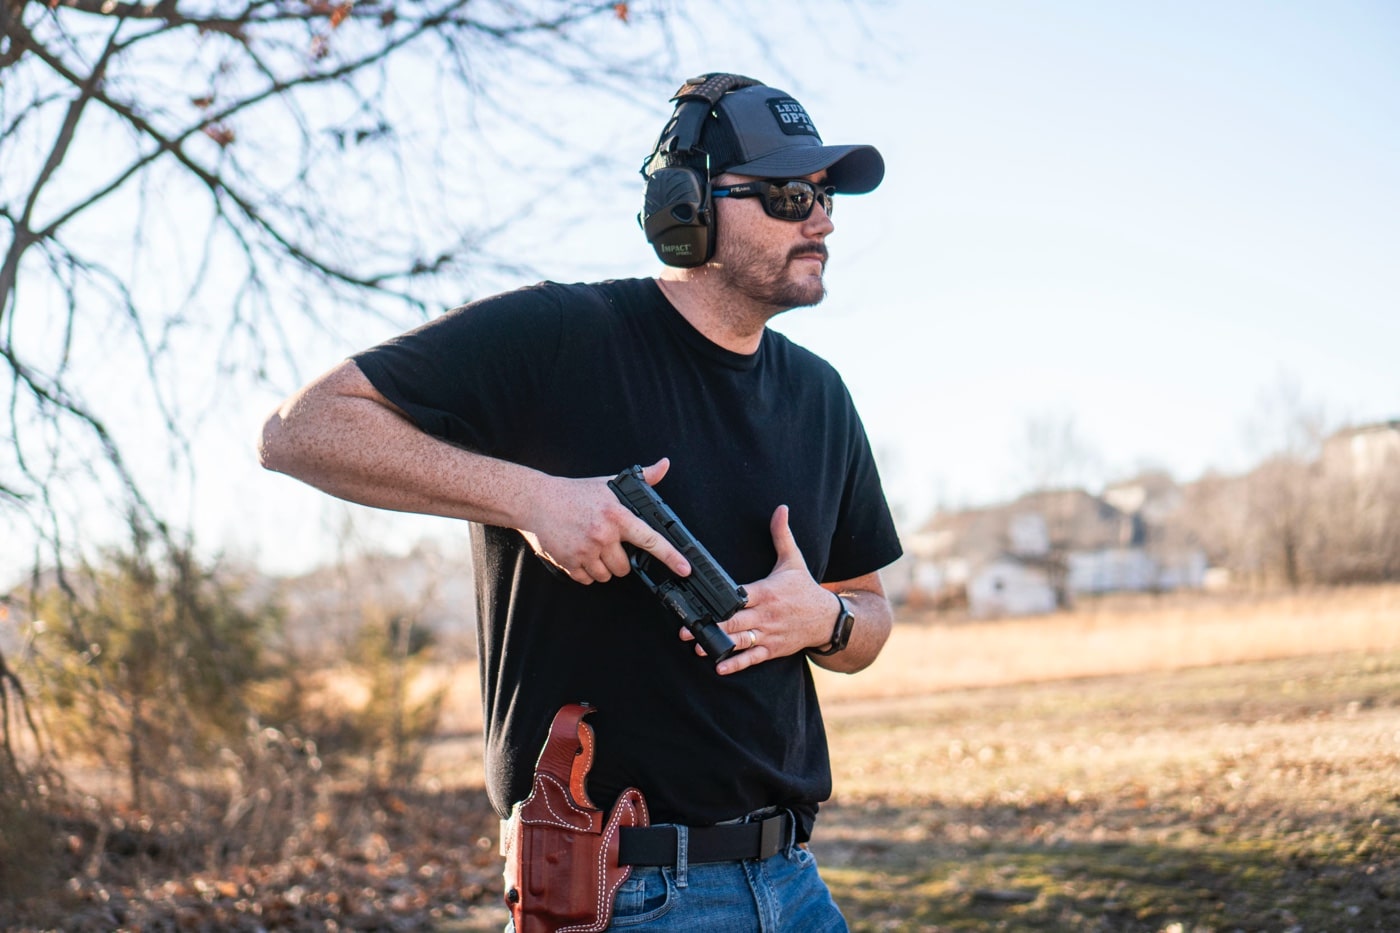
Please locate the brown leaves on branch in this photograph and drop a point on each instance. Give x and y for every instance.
(336, 13)
(221, 134)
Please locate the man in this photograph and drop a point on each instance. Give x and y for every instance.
(513, 412)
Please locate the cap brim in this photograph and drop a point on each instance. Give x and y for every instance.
(850, 169)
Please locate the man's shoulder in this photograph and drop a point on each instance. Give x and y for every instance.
(547, 307)
(778, 346)
(606, 292)
(551, 293)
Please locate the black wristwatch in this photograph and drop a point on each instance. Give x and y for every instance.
(840, 633)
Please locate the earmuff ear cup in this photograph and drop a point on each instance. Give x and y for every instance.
(676, 213)
(676, 216)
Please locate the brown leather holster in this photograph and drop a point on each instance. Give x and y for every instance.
(561, 855)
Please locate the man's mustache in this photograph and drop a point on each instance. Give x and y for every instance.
(802, 252)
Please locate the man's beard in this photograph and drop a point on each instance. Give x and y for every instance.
(772, 284)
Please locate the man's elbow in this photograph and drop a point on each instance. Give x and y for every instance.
(274, 445)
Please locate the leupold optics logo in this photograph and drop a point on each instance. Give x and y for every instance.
(791, 117)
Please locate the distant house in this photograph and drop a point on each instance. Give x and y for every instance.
(1010, 586)
(1110, 570)
(1046, 548)
(1364, 452)
(1136, 570)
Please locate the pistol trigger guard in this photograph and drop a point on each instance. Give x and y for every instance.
(639, 560)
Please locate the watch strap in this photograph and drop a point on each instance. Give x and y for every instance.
(840, 632)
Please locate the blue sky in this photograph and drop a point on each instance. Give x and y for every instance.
(1141, 219)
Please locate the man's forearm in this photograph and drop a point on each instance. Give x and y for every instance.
(340, 436)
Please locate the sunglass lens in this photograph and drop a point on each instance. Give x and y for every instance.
(791, 201)
(794, 200)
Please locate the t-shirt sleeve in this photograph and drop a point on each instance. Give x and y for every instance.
(471, 375)
(866, 539)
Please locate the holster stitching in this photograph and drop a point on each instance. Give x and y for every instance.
(562, 821)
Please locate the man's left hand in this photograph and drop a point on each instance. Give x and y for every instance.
(787, 612)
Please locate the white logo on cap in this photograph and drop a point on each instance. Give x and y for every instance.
(791, 117)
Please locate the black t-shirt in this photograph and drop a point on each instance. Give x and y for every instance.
(587, 380)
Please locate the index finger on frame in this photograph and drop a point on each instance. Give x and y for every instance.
(642, 535)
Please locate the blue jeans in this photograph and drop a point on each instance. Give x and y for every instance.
(781, 894)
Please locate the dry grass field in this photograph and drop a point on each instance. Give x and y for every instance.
(1125, 635)
(1180, 765)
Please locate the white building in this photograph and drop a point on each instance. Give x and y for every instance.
(1045, 549)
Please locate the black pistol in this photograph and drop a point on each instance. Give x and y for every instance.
(705, 598)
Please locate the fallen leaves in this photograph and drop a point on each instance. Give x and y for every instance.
(423, 859)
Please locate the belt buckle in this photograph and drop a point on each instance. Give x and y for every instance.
(770, 835)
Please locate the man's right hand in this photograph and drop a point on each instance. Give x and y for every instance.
(580, 526)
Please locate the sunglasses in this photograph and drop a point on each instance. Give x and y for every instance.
(785, 199)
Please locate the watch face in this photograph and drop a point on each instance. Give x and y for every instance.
(844, 622)
(847, 619)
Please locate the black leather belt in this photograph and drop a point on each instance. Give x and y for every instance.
(728, 842)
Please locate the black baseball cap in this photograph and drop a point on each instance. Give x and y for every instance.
(761, 131)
